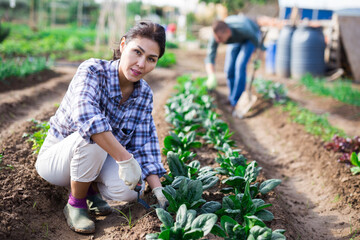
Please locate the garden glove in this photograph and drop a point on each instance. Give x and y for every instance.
(211, 81)
(130, 172)
(163, 202)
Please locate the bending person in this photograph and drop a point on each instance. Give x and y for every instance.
(241, 34)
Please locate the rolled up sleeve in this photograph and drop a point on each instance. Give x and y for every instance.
(85, 109)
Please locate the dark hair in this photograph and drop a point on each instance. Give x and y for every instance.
(219, 26)
(145, 29)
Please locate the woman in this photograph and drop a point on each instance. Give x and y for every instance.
(102, 140)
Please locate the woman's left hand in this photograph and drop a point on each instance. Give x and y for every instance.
(163, 202)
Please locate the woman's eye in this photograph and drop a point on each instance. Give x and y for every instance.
(152, 60)
(137, 52)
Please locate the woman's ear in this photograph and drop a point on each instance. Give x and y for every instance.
(122, 44)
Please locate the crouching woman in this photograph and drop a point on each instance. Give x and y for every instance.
(102, 139)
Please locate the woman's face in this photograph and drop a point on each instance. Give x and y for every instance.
(138, 57)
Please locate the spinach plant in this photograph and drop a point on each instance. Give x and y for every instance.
(184, 191)
(252, 227)
(186, 226)
(192, 171)
(241, 205)
(180, 143)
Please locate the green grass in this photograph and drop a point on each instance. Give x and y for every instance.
(315, 124)
(340, 90)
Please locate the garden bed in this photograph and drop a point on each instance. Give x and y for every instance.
(318, 197)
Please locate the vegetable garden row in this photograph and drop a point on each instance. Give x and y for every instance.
(241, 214)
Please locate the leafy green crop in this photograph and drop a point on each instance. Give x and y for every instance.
(187, 225)
(271, 90)
(21, 67)
(192, 171)
(252, 228)
(340, 90)
(315, 124)
(241, 205)
(180, 143)
(184, 191)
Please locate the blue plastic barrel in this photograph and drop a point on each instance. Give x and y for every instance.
(270, 57)
(283, 51)
(307, 52)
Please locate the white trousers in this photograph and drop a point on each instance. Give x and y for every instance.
(72, 158)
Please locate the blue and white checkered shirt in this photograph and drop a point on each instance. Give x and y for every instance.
(92, 105)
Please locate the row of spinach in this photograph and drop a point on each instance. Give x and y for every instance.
(241, 215)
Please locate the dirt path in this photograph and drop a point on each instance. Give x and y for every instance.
(318, 198)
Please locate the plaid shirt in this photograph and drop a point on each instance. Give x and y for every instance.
(91, 105)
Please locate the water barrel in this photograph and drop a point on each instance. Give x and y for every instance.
(307, 51)
(270, 57)
(283, 51)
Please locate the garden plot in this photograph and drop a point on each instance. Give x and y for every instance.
(310, 203)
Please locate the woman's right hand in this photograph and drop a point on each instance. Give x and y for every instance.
(129, 172)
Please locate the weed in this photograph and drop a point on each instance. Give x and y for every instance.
(8, 166)
(129, 219)
(336, 198)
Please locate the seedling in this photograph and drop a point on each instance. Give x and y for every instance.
(129, 219)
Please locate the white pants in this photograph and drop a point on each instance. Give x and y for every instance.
(72, 158)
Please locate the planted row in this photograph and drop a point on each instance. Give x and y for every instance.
(241, 214)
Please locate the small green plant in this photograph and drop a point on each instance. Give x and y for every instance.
(129, 219)
(8, 166)
(186, 226)
(271, 90)
(355, 161)
(38, 137)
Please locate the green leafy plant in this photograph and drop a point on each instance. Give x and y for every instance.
(186, 226)
(184, 191)
(180, 143)
(230, 229)
(355, 161)
(241, 205)
(219, 134)
(37, 138)
(192, 171)
(274, 91)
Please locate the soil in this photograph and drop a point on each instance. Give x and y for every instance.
(318, 197)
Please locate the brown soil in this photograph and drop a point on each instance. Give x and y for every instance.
(318, 198)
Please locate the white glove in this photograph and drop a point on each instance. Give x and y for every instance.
(130, 172)
(211, 82)
(163, 202)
